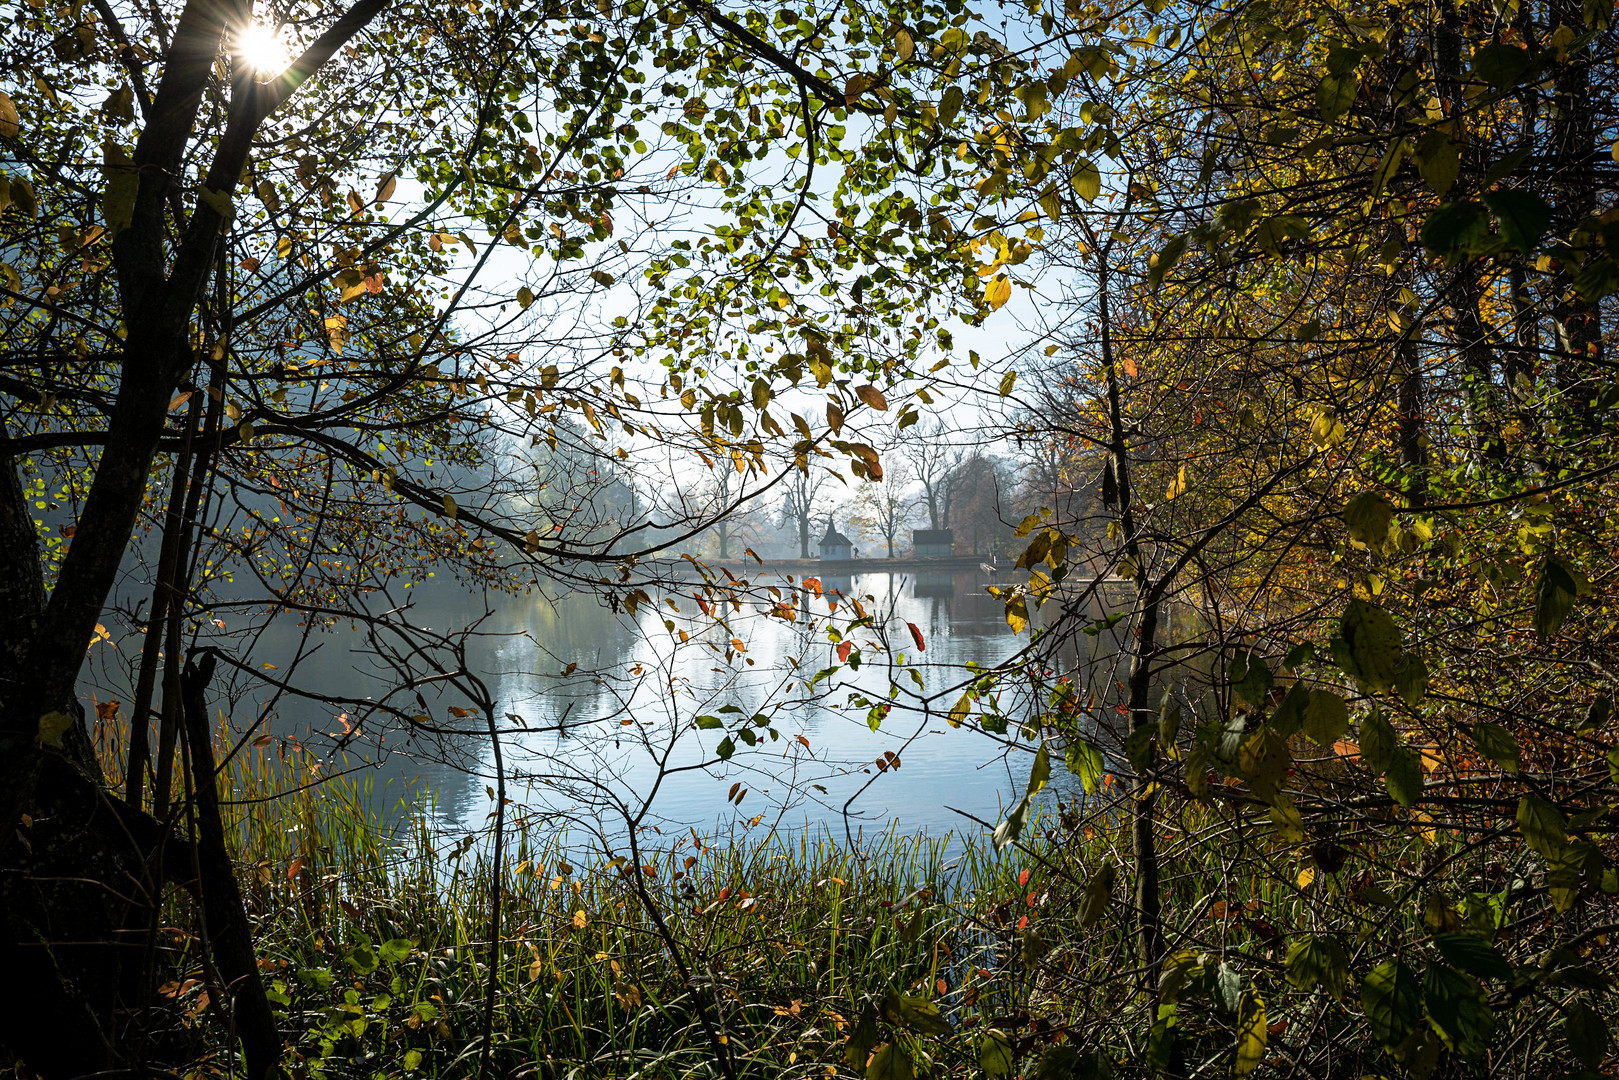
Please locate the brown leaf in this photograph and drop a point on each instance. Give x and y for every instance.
(872, 396)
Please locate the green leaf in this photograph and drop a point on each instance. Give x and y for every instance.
(1007, 832)
(1596, 716)
(1456, 229)
(52, 727)
(1161, 1040)
(1093, 903)
(218, 201)
(1251, 678)
(1007, 382)
(1392, 998)
(362, 957)
(1543, 826)
(1597, 278)
(1318, 961)
(1474, 955)
(1411, 680)
(1373, 644)
(709, 723)
(1439, 161)
(1252, 1032)
(1458, 1011)
(1086, 762)
(1336, 94)
(1496, 743)
(891, 1062)
(1523, 217)
(1186, 968)
(1169, 721)
(394, 950)
(1264, 760)
(1164, 260)
(22, 197)
(950, 104)
(862, 1038)
(1554, 598)
(1284, 814)
(725, 749)
(1404, 776)
(1326, 717)
(1368, 515)
(1586, 1034)
(914, 1013)
(1289, 715)
(1087, 180)
(1138, 748)
(1378, 742)
(995, 1053)
(1039, 771)
(1502, 65)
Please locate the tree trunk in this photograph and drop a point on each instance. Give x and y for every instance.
(230, 935)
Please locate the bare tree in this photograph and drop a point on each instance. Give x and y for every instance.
(806, 490)
(887, 507)
(934, 461)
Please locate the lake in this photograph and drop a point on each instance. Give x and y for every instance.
(609, 701)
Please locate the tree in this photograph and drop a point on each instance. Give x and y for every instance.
(934, 461)
(887, 507)
(1320, 332)
(980, 487)
(286, 282)
(805, 498)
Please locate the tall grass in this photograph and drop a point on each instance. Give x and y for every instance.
(374, 938)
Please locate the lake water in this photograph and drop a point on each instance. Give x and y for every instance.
(625, 692)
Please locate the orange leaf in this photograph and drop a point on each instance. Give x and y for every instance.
(295, 866)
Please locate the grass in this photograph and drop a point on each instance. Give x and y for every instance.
(374, 941)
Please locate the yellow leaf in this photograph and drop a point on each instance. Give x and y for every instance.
(1177, 487)
(218, 201)
(904, 44)
(1087, 180)
(1306, 876)
(580, 920)
(999, 291)
(1008, 381)
(450, 509)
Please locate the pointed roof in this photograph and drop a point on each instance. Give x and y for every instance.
(833, 538)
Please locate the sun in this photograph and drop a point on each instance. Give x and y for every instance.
(259, 48)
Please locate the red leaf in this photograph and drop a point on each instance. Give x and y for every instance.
(916, 636)
(843, 650)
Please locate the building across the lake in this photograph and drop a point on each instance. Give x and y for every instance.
(834, 545)
(933, 543)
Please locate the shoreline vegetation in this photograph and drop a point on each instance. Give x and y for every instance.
(753, 954)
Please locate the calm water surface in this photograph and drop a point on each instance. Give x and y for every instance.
(627, 748)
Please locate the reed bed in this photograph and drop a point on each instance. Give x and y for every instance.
(758, 953)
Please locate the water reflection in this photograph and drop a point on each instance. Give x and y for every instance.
(602, 707)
